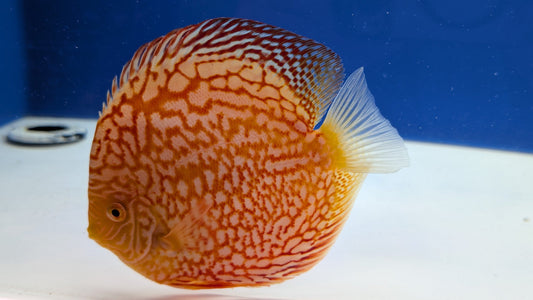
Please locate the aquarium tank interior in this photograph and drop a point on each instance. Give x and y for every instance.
(455, 78)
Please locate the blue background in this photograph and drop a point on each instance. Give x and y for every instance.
(12, 63)
(456, 71)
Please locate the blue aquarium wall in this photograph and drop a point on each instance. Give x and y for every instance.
(12, 63)
(457, 71)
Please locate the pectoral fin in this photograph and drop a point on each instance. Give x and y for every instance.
(185, 234)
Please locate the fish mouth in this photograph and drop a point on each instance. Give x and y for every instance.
(95, 235)
(94, 229)
(91, 232)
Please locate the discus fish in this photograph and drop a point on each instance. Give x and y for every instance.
(229, 154)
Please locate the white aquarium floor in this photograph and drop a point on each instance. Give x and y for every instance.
(456, 224)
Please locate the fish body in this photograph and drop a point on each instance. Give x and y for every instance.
(206, 169)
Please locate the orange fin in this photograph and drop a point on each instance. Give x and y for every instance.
(184, 234)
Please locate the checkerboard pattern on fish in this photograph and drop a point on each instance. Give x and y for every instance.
(229, 153)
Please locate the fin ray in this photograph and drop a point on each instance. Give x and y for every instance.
(367, 141)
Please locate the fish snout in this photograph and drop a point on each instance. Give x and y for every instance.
(91, 232)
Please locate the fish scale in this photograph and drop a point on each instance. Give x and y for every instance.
(206, 170)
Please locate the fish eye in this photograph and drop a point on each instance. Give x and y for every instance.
(116, 212)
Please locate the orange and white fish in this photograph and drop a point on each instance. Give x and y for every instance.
(208, 169)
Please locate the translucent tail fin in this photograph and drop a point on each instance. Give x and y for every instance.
(366, 141)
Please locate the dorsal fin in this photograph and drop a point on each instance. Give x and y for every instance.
(312, 72)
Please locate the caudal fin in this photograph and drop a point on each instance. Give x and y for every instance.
(365, 141)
